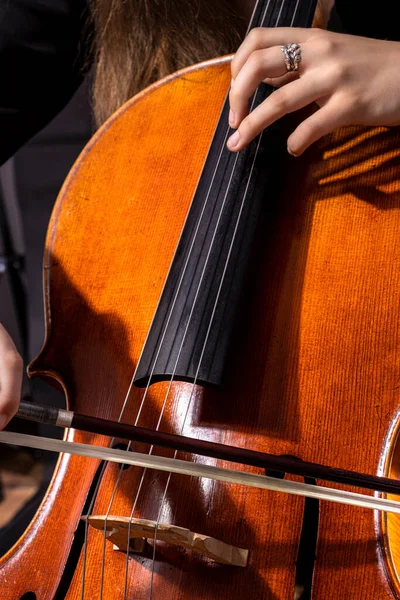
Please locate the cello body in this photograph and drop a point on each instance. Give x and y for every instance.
(313, 370)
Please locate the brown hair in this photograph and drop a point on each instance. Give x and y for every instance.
(137, 42)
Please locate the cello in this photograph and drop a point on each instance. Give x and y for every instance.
(199, 292)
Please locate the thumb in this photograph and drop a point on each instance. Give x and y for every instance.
(11, 367)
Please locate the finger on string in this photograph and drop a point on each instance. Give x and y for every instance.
(287, 99)
(11, 367)
(266, 37)
(323, 121)
(259, 65)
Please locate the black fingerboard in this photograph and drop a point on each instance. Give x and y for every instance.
(192, 327)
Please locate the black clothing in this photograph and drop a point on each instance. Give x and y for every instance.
(42, 52)
(370, 19)
(41, 59)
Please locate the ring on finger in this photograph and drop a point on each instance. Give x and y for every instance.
(292, 56)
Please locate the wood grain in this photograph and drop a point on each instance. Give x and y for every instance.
(313, 370)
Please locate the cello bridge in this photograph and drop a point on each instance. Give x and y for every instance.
(117, 530)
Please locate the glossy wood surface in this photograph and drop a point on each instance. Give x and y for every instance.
(313, 371)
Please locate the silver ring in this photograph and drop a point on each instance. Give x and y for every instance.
(292, 54)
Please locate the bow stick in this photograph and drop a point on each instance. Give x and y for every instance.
(173, 465)
(66, 418)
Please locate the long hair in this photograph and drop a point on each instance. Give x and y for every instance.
(137, 42)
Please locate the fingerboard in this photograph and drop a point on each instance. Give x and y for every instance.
(190, 333)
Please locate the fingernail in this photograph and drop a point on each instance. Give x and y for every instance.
(234, 140)
(231, 118)
(291, 152)
(3, 421)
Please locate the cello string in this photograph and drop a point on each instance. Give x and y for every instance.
(215, 303)
(212, 317)
(152, 372)
(145, 394)
(147, 389)
(123, 410)
(167, 394)
(194, 383)
(210, 325)
(128, 394)
(94, 497)
(150, 378)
